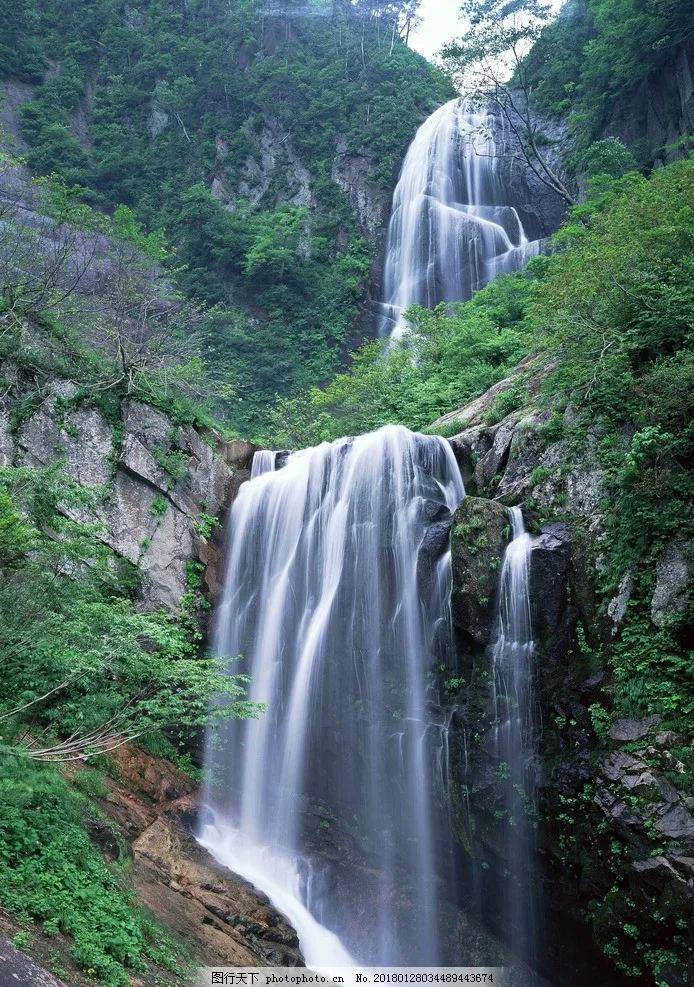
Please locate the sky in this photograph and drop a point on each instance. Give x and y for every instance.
(441, 22)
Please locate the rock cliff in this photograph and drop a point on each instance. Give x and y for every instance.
(616, 829)
(657, 121)
(158, 487)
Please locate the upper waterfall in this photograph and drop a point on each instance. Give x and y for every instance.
(337, 593)
(453, 226)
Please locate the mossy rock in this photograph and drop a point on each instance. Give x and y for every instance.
(480, 536)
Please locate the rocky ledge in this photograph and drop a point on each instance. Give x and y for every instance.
(221, 918)
(158, 489)
(616, 826)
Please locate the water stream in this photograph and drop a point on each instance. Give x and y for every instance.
(337, 593)
(453, 224)
(515, 741)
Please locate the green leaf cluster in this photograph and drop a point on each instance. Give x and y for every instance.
(52, 874)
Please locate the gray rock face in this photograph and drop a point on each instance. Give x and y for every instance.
(617, 765)
(672, 591)
(14, 96)
(150, 481)
(585, 484)
(660, 113)
(163, 563)
(677, 823)
(628, 729)
(353, 174)
(491, 466)
(6, 437)
(80, 438)
(480, 535)
(617, 607)
(275, 156)
(550, 563)
(137, 459)
(158, 122)
(540, 208)
(19, 970)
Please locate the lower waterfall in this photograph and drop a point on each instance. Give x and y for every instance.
(337, 595)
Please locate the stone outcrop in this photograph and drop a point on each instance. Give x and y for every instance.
(614, 809)
(672, 594)
(353, 173)
(274, 161)
(19, 970)
(479, 537)
(157, 488)
(541, 209)
(220, 918)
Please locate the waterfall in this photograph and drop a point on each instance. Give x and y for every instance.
(515, 752)
(263, 462)
(337, 594)
(453, 227)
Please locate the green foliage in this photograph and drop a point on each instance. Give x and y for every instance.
(606, 157)
(174, 461)
(159, 506)
(601, 720)
(450, 356)
(91, 783)
(80, 660)
(597, 54)
(205, 525)
(175, 95)
(68, 624)
(615, 309)
(507, 402)
(51, 873)
(539, 475)
(141, 337)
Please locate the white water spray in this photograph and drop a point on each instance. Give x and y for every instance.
(452, 227)
(337, 592)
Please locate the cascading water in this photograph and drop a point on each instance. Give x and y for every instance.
(337, 594)
(515, 741)
(452, 227)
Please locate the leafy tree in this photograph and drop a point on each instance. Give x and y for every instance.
(490, 60)
(84, 670)
(606, 157)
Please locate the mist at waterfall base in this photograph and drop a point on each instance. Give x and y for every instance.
(337, 592)
(452, 227)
